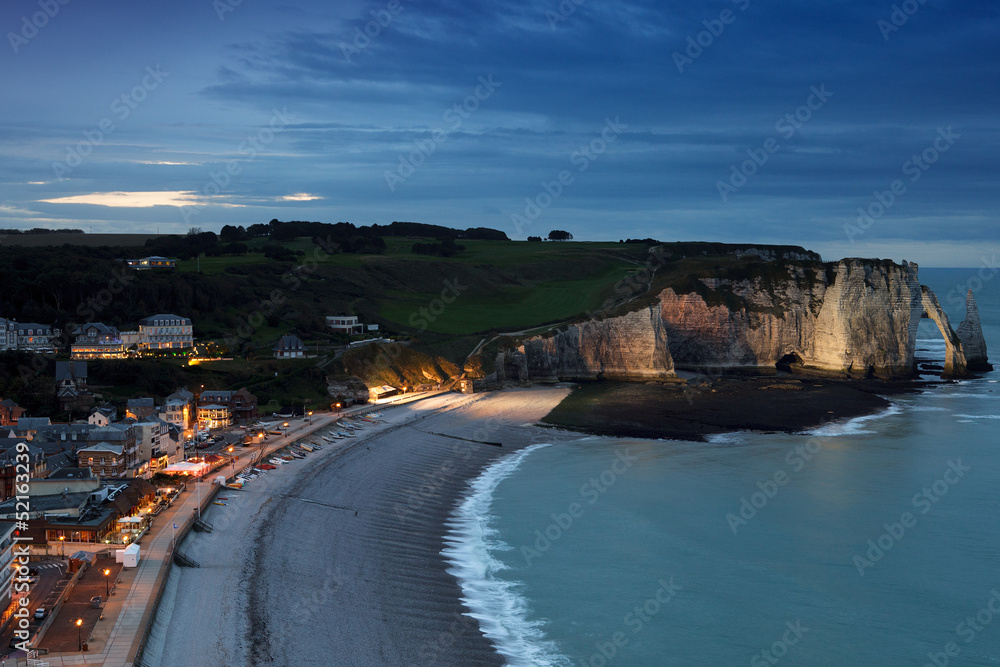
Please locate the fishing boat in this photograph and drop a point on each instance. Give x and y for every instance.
(215, 503)
(306, 447)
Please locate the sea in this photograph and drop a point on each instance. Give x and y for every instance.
(873, 541)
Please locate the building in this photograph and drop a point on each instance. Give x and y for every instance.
(35, 337)
(214, 416)
(8, 334)
(103, 415)
(122, 434)
(153, 262)
(10, 412)
(165, 332)
(140, 408)
(103, 459)
(179, 409)
(71, 386)
(36, 463)
(97, 341)
(289, 346)
(159, 443)
(347, 324)
(242, 404)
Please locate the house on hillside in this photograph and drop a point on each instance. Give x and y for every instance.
(103, 459)
(152, 262)
(347, 324)
(289, 346)
(165, 332)
(95, 340)
(8, 334)
(35, 337)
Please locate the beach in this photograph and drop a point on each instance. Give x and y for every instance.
(336, 559)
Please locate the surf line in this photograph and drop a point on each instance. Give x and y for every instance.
(455, 437)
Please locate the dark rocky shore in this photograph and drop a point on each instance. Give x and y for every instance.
(703, 406)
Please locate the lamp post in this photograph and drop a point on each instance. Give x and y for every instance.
(79, 633)
(62, 547)
(107, 586)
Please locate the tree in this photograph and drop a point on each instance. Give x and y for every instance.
(560, 235)
(535, 239)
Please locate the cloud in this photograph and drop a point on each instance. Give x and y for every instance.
(300, 196)
(130, 199)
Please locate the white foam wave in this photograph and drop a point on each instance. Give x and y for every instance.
(854, 426)
(498, 605)
(732, 438)
(978, 416)
(928, 408)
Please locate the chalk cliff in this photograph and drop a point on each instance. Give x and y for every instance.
(970, 333)
(855, 318)
(633, 346)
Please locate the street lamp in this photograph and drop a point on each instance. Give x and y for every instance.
(79, 633)
(310, 417)
(107, 586)
(62, 548)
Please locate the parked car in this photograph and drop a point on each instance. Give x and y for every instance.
(40, 614)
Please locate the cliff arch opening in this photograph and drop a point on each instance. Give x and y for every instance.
(931, 349)
(789, 363)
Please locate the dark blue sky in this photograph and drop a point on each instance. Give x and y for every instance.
(124, 116)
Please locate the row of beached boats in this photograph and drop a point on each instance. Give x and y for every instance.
(343, 428)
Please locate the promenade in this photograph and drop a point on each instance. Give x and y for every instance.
(115, 639)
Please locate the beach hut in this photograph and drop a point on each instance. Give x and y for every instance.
(130, 556)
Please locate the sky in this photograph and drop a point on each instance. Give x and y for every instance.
(852, 128)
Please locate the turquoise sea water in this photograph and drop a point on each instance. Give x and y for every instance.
(870, 542)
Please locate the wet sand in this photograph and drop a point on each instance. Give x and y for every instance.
(336, 559)
(719, 405)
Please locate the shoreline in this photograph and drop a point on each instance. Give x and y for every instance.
(344, 557)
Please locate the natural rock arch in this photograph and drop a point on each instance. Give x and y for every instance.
(954, 354)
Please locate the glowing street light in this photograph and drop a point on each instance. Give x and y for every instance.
(107, 586)
(62, 548)
(79, 633)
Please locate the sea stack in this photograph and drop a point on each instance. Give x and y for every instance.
(970, 332)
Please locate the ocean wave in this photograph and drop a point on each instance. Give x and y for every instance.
(978, 416)
(855, 425)
(731, 438)
(497, 604)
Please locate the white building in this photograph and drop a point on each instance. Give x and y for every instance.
(345, 324)
(8, 334)
(165, 332)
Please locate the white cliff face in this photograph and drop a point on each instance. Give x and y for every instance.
(857, 318)
(629, 347)
(970, 332)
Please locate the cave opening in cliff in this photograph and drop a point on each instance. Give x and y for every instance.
(787, 362)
